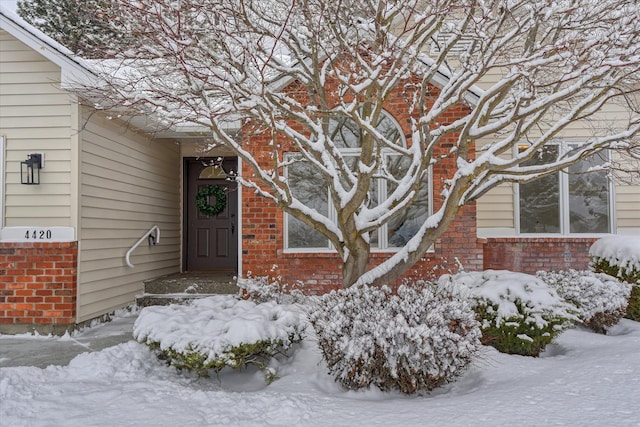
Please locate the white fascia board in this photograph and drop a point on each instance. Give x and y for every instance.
(187, 130)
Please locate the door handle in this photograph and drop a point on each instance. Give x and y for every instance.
(233, 227)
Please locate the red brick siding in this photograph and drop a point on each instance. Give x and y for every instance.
(38, 284)
(263, 223)
(263, 255)
(529, 255)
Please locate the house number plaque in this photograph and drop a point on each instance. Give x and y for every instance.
(41, 234)
(37, 234)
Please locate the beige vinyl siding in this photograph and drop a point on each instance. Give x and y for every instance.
(495, 208)
(35, 116)
(129, 183)
(628, 208)
(627, 196)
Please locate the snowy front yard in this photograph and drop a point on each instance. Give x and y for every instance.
(584, 379)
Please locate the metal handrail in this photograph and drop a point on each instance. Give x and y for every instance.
(153, 240)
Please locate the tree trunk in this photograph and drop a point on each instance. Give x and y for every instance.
(356, 263)
(391, 270)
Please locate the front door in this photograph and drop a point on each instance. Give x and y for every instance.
(211, 240)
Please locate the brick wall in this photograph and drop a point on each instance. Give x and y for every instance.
(38, 286)
(263, 254)
(263, 222)
(529, 255)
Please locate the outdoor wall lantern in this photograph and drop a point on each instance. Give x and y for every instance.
(30, 169)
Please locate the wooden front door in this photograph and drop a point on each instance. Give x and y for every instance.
(211, 240)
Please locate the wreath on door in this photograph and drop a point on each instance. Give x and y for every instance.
(202, 200)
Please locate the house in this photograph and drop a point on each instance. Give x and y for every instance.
(116, 204)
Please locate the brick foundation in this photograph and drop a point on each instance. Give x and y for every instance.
(528, 255)
(38, 286)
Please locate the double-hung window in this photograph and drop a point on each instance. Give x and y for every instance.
(309, 186)
(576, 200)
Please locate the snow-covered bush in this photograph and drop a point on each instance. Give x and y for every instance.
(263, 289)
(633, 309)
(416, 340)
(601, 300)
(519, 314)
(220, 331)
(621, 253)
(619, 256)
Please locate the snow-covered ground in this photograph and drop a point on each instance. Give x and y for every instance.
(583, 379)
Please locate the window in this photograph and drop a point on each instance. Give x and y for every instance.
(575, 200)
(311, 189)
(308, 186)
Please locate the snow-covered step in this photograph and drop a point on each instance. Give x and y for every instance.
(145, 300)
(183, 287)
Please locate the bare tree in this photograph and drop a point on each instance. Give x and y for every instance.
(315, 76)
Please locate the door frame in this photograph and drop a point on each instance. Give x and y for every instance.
(185, 203)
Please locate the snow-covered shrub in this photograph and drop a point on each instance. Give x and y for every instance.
(220, 331)
(633, 309)
(619, 256)
(416, 340)
(519, 314)
(263, 289)
(621, 253)
(601, 300)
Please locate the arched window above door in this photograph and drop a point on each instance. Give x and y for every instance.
(213, 172)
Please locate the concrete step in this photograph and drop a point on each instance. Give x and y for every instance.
(145, 300)
(183, 287)
(193, 283)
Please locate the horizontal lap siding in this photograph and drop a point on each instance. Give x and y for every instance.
(129, 183)
(496, 208)
(35, 116)
(628, 208)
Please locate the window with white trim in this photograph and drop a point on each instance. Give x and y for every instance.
(310, 188)
(577, 200)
